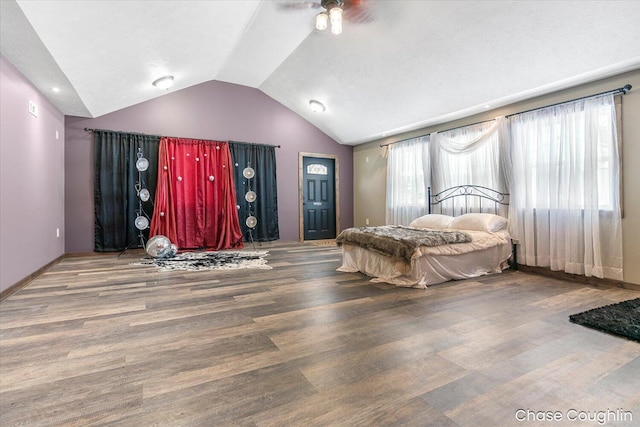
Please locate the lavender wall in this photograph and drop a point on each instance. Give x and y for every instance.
(212, 110)
(31, 179)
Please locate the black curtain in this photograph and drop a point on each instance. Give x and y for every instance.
(115, 194)
(262, 158)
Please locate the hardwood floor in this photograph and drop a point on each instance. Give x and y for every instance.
(96, 341)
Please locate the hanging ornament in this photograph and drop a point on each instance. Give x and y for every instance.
(144, 195)
(250, 196)
(251, 221)
(248, 172)
(141, 222)
(142, 164)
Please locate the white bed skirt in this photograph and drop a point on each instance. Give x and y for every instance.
(426, 269)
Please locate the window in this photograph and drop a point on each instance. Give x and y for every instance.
(407, 180)
(468, 155)
(316, 169)
(462, 156)
(561, 150)
(560, 165)
(565, 208)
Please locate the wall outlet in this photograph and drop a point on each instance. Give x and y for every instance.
(57, 232)
(366, 221)
(57, 135)
(33, 109)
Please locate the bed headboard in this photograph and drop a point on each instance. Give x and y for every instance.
(463, 199)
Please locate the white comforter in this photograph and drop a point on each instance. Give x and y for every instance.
(487, 253)
(479, 240)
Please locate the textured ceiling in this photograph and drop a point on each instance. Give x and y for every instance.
(403, 65)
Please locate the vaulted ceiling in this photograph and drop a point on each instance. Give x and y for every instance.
(397, 66)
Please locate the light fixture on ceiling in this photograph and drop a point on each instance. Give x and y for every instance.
(332, 14)
(317, 106)
(335, 15)
(322, 21)
(163, 82)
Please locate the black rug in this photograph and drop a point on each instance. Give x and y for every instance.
(621, 319)
(220, 260)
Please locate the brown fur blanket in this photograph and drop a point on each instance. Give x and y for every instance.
(398, 241)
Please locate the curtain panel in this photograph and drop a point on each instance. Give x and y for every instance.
(116, 201)
(469, 155)
(407, 181)
(565, 179)
(262, 158)
(561, 166)
(195, 203)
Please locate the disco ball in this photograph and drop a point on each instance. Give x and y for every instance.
(159, 247)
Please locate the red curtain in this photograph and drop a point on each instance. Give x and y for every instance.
(195, 204)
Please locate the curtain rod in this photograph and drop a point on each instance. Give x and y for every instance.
(446, 130)
(160, 136)
(255, 143)
(623, 90)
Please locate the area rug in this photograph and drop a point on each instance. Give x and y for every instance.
(219, 260)
(621, 319)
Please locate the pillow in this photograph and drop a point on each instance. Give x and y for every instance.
(435, 221)
(479, 222)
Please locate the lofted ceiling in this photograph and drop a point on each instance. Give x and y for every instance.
(399, 65)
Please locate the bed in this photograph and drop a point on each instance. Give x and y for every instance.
(464, 235)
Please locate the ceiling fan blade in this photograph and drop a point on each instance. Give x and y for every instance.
(358, 11)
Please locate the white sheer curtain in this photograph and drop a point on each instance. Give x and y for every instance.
(467, 155)
(565, 176)
(407, 180)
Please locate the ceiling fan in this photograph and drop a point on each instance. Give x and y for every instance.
(333, 12)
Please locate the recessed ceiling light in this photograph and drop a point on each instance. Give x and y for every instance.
(317, 106)
(487, 106)
(163, 82)
(55, 89)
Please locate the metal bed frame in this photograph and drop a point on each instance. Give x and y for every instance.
(463, 196)
(463, 199)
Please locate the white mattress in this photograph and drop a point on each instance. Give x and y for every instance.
(486, 254)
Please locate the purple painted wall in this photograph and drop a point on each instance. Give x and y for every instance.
(212, 110)
(31, 179)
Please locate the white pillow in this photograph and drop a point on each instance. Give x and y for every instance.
(479, 222)
(435, 221)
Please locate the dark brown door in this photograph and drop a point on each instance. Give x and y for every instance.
(318, 198)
